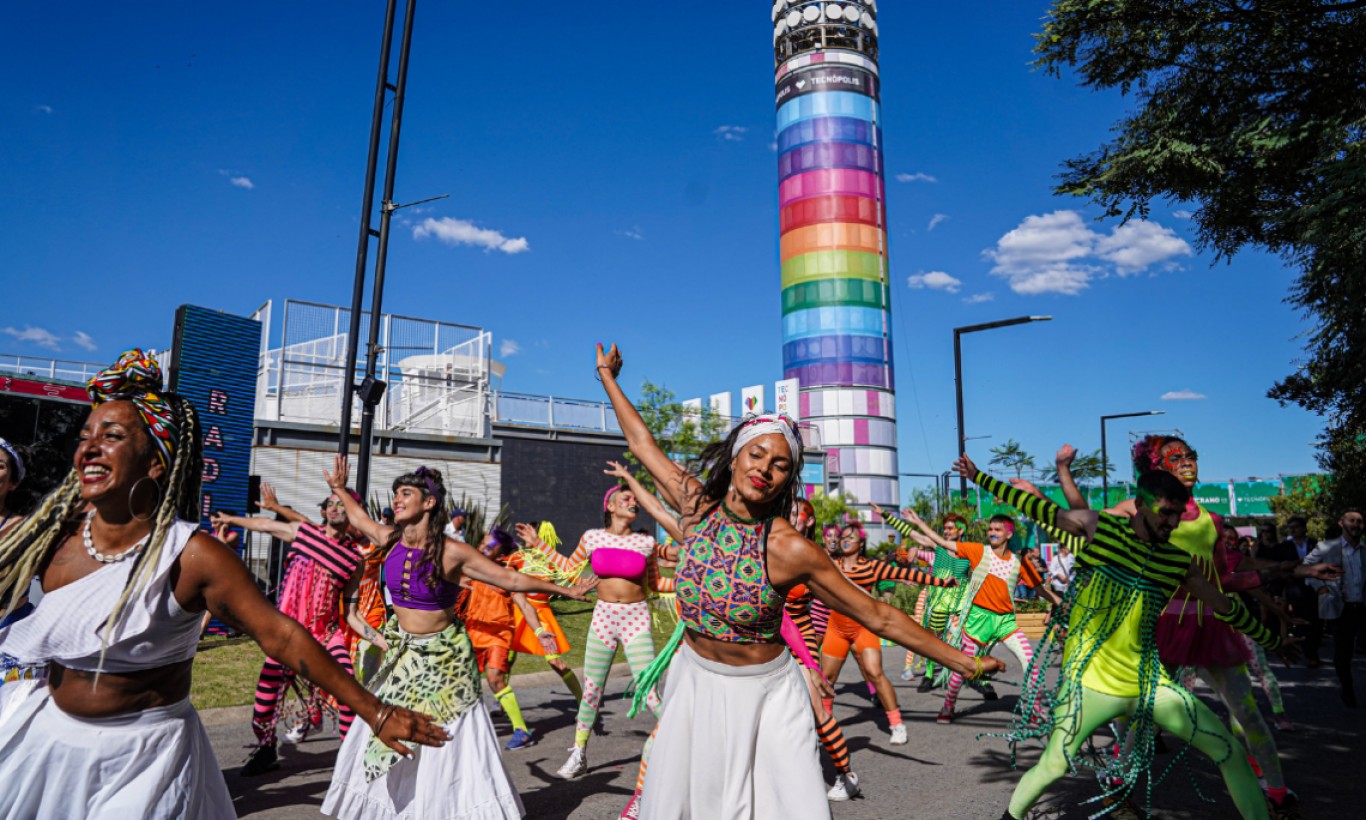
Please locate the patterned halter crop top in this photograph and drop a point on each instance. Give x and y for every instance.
(722, 581)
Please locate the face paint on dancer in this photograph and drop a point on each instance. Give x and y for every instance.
(1177, 458)
(852, 540)
(830, 539)
(954, 527)
(999, 534)
(334, 512)
(1160, 516)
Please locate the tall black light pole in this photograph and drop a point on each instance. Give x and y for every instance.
(1105, 452)
(958, 373)
(371, 389)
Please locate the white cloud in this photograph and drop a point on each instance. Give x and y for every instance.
(507, 348)
(915, 177)
(1182, 214)
(633, 233)
(934, 280)
(46, 109)
(733, 133)
(936, 219)
(979, 298)
(463, 232)
(83, 340)
(1182, 395)
(1059, 253)
(242, 182)
(36, 335)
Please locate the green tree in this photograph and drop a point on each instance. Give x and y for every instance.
(680, 431)
(1252, 113)
(831, 509)
(1087, 468)
(1012, 456)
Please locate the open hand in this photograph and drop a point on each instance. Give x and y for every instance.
(412, 727)
(609, 361)
(579, 592)
(341, 471)
(882, 516)
(1322, 572)
(1026, 485)
(617, 470)
(220, 520)
(269, 500)
(527, 534)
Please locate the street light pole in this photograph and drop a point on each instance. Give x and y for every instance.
(1105, 452)
(958, 373)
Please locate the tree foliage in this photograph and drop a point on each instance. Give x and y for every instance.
(1087, 468)
(1011, 456)
(831, 509)
(682, 432)
(1251, 111)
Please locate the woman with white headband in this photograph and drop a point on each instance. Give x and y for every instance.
(11, 474)
(736, 738)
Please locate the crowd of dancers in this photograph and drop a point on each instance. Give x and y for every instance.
(389, 625)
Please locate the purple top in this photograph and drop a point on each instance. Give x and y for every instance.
(404, 575)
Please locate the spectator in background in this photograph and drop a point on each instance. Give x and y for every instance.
(1343, 601)
(1301, 600)
(456, 529)
(1060, 569)
(1266, 539)
(387, 516)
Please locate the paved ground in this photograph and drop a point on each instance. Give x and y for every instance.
(945, 772)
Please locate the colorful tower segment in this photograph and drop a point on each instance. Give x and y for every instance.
(837, 336)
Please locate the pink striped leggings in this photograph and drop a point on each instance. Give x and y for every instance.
(270, 688)
(1016, 642)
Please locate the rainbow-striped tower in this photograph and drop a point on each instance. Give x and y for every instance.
(837, 331)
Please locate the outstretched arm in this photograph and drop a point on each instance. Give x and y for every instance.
(1230, 610)
(271, 503)
(225, 588)
(653, 506)
(905, 575)
(356, 513)
(462, 559)
(283, 530)
(1075, 500)
(1081, 523)
(680, 489)
(912, 526)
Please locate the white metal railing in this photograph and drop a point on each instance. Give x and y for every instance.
(64, 370)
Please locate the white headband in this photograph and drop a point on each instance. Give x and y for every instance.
(14, 457)
(756, 426)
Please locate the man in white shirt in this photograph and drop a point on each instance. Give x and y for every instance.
(1060, 568)
(1343, 601)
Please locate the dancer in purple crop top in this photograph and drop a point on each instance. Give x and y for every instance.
(757, 756)
(429, 666)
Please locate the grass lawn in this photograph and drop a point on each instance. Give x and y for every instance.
(225, 670)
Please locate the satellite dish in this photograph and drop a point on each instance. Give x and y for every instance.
(851, 14)
(866, 20)
(811, 13)
(794, 18)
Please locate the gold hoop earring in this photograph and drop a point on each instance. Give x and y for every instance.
(133, 490)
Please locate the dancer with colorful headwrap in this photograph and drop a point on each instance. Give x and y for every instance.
(430, 664)
(320, 563)
(1104, 635)
(627, 564)
(846, 635)
(110, 732)
(1185, 636)
(736, 737)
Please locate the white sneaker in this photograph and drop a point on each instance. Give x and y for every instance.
(576, 765)
(899, 735)
(845, 788)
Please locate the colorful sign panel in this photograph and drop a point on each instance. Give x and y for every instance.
(214, 366)
(752, 400)
(785, 401)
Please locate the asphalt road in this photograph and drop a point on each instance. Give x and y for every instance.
(945, 772)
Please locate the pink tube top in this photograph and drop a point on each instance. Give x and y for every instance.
(611, 562)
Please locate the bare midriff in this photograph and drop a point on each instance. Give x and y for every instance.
(83, 694)
(733, 654)
(620, 591)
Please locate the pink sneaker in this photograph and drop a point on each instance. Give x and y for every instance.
(632, 810)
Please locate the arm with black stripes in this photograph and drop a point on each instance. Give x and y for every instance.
(1081, 523)
(883, 571)
(1230, 609)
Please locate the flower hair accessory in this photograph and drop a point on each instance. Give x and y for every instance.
(754, 426)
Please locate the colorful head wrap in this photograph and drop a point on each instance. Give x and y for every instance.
(14, 458)
(755, 426)
(136, 377)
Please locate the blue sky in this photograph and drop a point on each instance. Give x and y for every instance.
(612, 179)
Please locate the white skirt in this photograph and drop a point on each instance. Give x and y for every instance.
(154, 763)
(462, 780)
(734, 743)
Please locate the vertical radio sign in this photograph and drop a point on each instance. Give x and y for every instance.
(214, 366)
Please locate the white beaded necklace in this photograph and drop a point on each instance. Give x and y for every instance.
(101, 557)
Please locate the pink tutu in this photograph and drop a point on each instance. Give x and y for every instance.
(1189, 637)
